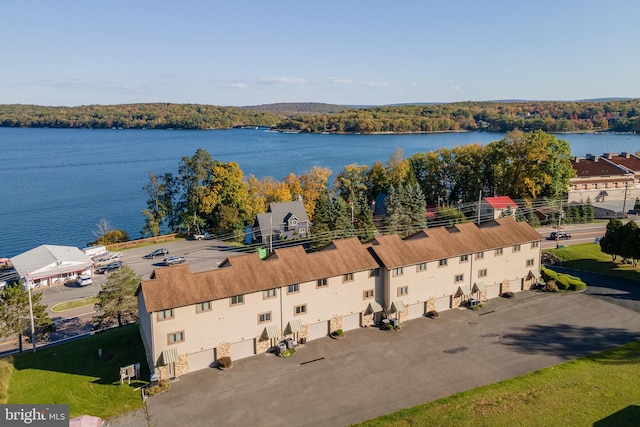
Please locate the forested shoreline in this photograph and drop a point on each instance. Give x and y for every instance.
(554, 117)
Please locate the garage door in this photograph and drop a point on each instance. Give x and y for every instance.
(201, 360)
(515, 285)
(351, 322)
(318, 330)
(242, 349)
(443, 303)
(416, 310)
(493, 291)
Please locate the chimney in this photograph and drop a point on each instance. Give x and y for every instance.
(607, 156)
(625, 155)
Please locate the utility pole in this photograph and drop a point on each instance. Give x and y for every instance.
(33, 329)
(479, 204)
(624, 202)
(558, 227)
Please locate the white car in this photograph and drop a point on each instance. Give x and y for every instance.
(84, 280)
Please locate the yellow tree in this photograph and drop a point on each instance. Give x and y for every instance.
(313, 183)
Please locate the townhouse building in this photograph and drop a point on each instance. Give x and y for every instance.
(247, 305)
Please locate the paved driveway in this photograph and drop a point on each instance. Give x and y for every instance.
(373, 372)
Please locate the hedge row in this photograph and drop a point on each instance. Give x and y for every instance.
(563, 281)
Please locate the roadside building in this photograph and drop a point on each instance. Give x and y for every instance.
(606, 180)
(287, 220)
(51, 264)
(250, 304)
(496, 207)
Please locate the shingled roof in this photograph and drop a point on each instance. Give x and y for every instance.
(446, 242)
(177, 286)
(596, 166)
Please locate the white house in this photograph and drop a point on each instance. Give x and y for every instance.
(50, 264)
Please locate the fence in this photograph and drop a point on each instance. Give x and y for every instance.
(149, 240)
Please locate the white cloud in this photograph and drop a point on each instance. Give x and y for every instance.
(283, 80)
(379, 84)
(341, 81)
(238, 85)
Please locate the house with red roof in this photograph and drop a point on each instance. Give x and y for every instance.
(496, 207)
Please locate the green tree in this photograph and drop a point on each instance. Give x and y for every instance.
(351, 181)
(636, 206)
(14, 314)
(116, 300)
(162, 192)
(611, 242)
(194, 173)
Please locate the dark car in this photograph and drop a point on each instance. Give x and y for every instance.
(560, 235)
(110, 267)
(156, 253)
(172, 260)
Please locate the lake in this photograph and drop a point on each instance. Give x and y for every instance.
(57, 184)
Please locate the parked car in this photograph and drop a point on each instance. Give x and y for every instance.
(157, 253)
(203, 236)
(560, 235)
(107, 258)
(109, 267)
(84, 280)
(172, 260)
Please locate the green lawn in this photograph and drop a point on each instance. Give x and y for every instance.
(67, 305)
(589, 257)
(72, 373)
(600, 390)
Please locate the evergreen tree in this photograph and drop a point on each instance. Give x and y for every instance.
(117, 300)
(636, 206)
(14, 314)
(588, 211)
(611, 242)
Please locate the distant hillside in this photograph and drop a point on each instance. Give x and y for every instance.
(291, 109)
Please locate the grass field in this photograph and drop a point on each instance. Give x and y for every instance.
(598, 390)
(67, 305)
(72, 373)
(589, 257)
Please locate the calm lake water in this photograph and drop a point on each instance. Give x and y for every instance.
(57, 184)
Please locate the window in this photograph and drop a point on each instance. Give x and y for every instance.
(422, 266)
(300, 309)
(516, 248)
(459, 278)
(367, 294)
(398, 271)
(175, 337)
(322, 283)
(403, 290)
(464, 258)
(264, 317)
(347, 277)
(530, 262)
(534, 244)
(239, 299)
(292, 289)
(482, 273)
(203, 306)
(269, 293)
(374, 272)
(165, 314)
(498, 251)
(480, 255)
(301, 230)
(293, 222)
(442, 263)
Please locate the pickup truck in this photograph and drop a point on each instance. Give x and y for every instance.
(203, 236)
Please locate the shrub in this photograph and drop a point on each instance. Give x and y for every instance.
(547, 274)
(433, 314)
(508, 294)
(338, 332)
(551, 286)
(562, 281)
(224, 362)
(162, 386)
(287, 353)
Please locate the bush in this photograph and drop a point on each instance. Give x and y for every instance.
(338, 332)
(551, 286)
(547, 274)
(224, 362)
(433, 314)
(162, 386)
(287, 353)
(508, 294)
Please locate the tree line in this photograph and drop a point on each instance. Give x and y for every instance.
(216, 196)
(613, 115)
(622, 240)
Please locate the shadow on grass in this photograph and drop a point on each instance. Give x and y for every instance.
(629, 416)
(569, 342)
(120, 347)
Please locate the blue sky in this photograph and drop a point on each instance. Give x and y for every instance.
(245, 52)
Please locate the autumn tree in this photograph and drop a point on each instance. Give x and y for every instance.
(14, 313)
(313, 184)
(116, 300)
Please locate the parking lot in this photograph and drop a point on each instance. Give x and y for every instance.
(372, 372)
